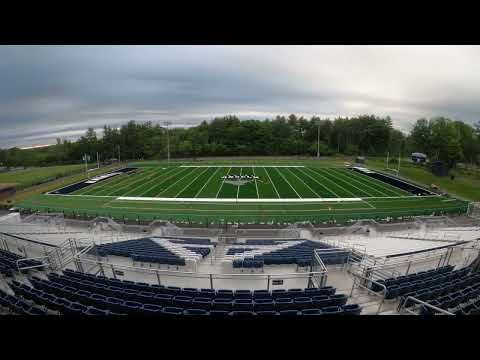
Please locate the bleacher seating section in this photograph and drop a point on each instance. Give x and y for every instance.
(298, 251)
(150, 251)
(19, 306)
(8, 262)
(457, 291)
(79, 293)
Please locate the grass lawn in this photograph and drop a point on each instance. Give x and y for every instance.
(34, 176)
(466, 185)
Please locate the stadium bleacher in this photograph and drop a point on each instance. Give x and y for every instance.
(8, 262)
(157, 250)
(79, 293)
(280, 252)
(457, 291)
(18, 306)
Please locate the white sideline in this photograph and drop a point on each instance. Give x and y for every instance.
(217, 200)
(239, 166)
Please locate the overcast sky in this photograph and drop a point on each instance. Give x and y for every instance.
(58, 91)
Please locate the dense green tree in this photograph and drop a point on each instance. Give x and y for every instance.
(440, 138)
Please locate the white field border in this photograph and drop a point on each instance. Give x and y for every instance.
(240, 200)
(244, 166)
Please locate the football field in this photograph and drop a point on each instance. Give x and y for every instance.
(236, 193)
(234, 182)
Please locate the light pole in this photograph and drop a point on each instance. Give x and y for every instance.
(168, 142)
(85, 158)
(318, 140)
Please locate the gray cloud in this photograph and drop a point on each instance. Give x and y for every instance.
(59, 91)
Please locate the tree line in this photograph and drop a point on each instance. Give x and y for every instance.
(440, 138)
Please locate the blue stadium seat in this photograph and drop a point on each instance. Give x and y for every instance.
(283, 304)
(243, 294)
(310, 292)
(173, 290)
(332, 310)
(261, 294)
(242, 313)
(195, 312)
(170, 310)
(162, 299)
(219, 313)
(312, 312)
(115, 304)
(94, 311)
(59, 304)
(131, 307)
(210, 293)
(146, 297)
(351, 309)
(243, 305)
(222, 304)
(191, 292)
(321, 301)
(293, 293)
(267, 313)
(201, 303)
(183, 302)
(289, 313)
(152, 309)
(75, 309)
(279, 293)
(264, 305)
(303, 303)
(338, 299)
(224, 294)
(35, 311)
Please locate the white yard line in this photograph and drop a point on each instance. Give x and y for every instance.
(246, 166)
(129, 185)
(191, 182)
(238, 186)
(169, 186)
(304, 183)
(271, 182)
(373, 181)
(232, 200)
(349, 183)
(326, 188)
(256, 185)
(161, 182)
(288, 183)
(323, 176)
(220, 188)
(366, 202)
(209, 179)
(353, 178)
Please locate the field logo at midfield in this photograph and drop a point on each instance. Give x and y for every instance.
(239, 180)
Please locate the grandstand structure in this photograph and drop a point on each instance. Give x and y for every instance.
(55, 265)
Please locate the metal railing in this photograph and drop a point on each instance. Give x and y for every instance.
(365, 286)
(42, 259)
(161, 274)
(404, 309)
(321, 280)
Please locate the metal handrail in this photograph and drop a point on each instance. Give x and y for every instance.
(414, 299)
(198, 274)
(384, 292)
(33, 266)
